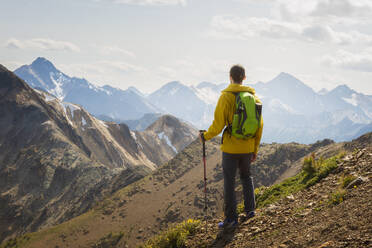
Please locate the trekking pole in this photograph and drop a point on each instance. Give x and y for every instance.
(205, 185)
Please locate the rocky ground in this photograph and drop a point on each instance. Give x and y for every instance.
(328, 214)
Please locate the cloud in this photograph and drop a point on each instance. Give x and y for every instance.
(14, 43)
(104, 71)
(325, 8)
(121, 66)
(343, 8)
(244, 28)
(149, 2)
(350, 61)
(106, 50)
(42, 44)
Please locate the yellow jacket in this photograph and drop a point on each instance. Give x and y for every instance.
(223, 116)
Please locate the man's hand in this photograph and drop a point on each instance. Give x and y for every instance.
(200, 137)
(253, 158)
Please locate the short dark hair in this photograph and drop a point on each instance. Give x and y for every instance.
(237, 73)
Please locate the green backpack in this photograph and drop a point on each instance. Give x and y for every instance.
(247, 116)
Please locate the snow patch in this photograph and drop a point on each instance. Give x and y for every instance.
(45, 95)
(37, 77)
(49, 98)
(58, 82)
(207, 95)
(133, 135)
(353, 100)
(83, 121)
(162, 135)
(103, 123)
(276, 104)
(48, 122)
(71, 106)
(93, 87)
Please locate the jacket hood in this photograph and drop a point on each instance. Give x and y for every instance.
(239, 88)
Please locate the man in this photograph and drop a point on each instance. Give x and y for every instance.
(236, 153)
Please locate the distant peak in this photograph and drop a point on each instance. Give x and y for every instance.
(343, 86)
(135, 90)
(344, 89)
(284, 75)
(323, 91)
(165, 121)
(205, 84)
(42, 62)
(174, 83)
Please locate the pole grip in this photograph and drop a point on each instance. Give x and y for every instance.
(201, 132)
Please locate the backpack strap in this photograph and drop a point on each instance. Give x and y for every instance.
(228, 126)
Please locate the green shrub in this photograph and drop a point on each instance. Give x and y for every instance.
(309, 165)
(337, 197)
(174, 237)
(323, 171)
(312, 172)
(346, 180)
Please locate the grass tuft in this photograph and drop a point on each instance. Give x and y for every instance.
(174, 237)
(346, 180)
(337, 197)
(312, 172)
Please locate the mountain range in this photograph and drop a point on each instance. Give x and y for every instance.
(57, 160)
(292, 110)
(105, 100)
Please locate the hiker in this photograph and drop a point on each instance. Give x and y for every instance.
(236, 152)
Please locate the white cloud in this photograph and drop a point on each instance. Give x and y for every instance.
(100, 72)
(194, 70)
(150, 2)
(121, 66)
(107, 50)
(14, 43)
(350, 61)
(244, 28)
(325, 8)
(343, 8)
(42, 44)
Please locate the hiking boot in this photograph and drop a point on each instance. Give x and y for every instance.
(228, 224)
(247, 216)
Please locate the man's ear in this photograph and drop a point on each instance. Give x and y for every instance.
(244, 78)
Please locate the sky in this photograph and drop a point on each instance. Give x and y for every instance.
(147, 43)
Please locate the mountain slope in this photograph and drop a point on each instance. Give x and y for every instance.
(56, 160)
(106, 100)
(170, 194)
(335, 212)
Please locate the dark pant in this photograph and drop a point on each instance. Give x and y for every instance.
(230, 163)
